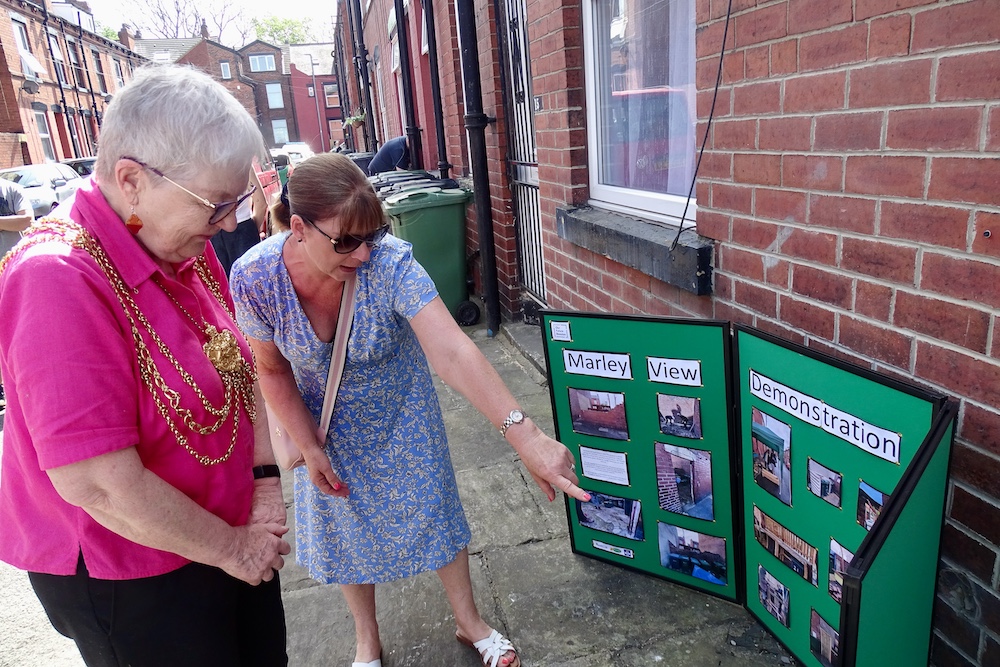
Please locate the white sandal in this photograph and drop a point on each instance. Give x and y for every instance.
(492, 648)
(374, 663)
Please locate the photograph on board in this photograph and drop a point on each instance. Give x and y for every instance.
(772, 455)
(824, 641)
(786, 546)
(773, 595)
(840, 558)
(684, 480)
(679, 416)
(870, 502)
(600, 413)
(824, 482)
(611, 514)
(692, 553)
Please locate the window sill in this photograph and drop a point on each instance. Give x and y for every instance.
(641, 245)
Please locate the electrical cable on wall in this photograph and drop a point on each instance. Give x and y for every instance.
(708, 127)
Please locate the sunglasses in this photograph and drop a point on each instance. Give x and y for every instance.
(348, 243)
(219, 209)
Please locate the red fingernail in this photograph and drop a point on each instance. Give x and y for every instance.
(336, 487)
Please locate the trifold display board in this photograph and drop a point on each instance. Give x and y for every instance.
(720, 457)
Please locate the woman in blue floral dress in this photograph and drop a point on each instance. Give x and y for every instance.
(377, 500)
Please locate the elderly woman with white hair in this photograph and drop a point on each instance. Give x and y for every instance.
(138, 488)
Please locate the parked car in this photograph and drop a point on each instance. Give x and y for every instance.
(82, 165)
(47, 184)
(297, 151)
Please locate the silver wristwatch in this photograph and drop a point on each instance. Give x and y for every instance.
(515, 417)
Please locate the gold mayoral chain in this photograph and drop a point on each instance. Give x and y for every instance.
(222, 348)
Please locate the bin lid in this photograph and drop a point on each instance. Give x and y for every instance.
(410, 200)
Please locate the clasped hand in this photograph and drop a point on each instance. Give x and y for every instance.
(321, 472)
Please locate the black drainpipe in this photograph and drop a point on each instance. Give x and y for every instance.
(343, 91)
(443, 165)
(361, 62)
(412, 131)
(475, 123)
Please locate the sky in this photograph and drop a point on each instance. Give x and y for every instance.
(316, 13)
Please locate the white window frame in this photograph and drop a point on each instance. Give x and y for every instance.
(262, 62)
(424, 43)
(30, 67)
(102, 82)
(48, 148)
(647, 205)
(73, 50)
(116, 65)
(335, 95)
(275, 96)
(225, 70)
(58, 62)
(311, 90)
(282, 125)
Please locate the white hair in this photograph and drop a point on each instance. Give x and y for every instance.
(180, 121)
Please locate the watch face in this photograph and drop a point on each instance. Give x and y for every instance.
(517, 416)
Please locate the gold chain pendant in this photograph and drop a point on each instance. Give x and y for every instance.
(222, 349)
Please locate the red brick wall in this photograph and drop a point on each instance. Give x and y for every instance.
(17, 115)
(452, 96)
(504, 239)
(850, 179)
(207, 55)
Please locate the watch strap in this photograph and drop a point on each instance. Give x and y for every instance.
(260, 472)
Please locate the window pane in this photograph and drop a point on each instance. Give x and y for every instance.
(274, 98)
(330, 91)
(99, 68)
(57, 59)
(645, 94)
(224, 66)
(74, 59)
(43, 135)
(279, 128)
(262, 63)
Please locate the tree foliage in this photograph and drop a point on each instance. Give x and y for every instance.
(107, 32)
(275, 30)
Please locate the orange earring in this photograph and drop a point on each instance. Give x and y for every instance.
(133, 223)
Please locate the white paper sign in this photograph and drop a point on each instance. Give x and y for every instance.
(598, 364)
(560, 331)
(604, 466)
(872, 439)
(612, 549)
(686, 372)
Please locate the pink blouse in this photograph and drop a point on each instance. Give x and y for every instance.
(74, 391)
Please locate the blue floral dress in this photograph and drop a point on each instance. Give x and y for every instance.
(387, 438)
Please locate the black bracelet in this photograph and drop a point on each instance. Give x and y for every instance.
(260, 472)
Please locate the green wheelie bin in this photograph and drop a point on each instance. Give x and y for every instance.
(433, 221)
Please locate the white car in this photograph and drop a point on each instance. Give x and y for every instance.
(297, 151)
(47, 184)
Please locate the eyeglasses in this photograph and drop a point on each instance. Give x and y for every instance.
(219, 209)
(348, 243)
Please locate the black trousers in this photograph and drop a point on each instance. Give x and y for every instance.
(197, 616)
(230, 246)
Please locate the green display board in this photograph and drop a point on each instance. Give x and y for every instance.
(890, 584)
(848, 436)
(645, 409)
(755, 469)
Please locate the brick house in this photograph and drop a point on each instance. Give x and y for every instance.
(315, 93)
(267, 67)
(846, 199)
(226, 65)
(57, 75)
